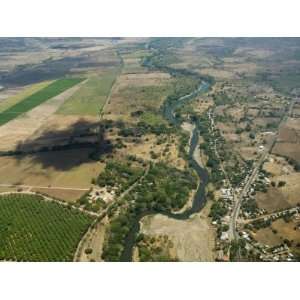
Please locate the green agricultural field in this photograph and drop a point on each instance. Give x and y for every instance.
(90, 98)
(32, 229)
(37, 98)
(28, 91)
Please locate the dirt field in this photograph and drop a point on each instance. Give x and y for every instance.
(193, 239)
(288, 143)
(70, 168)
(283, 197)
(62, 194)
(277, 166)
(282, 230)
(267, 237)
(133, 92)
(24, 126)
(291, 150)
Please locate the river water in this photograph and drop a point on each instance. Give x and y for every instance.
(199, 197)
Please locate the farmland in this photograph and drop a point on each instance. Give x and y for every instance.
(23, 94)
(35, 230)
(90, 98)
(70, 169)
(124, 143)
(37, 98)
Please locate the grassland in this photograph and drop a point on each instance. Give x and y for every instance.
(37, 98)
(10, 101)
(32, 229)
(137, 95)
(90, 98)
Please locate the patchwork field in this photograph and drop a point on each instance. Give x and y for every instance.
(21, 128)
(37, 98)
(288, 143)
(21, 94)
(33, 229)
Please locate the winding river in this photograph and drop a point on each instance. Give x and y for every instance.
(199, 197)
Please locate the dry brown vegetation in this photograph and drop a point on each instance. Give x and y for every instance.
(279, 232)
(193, 238)
(136, 92)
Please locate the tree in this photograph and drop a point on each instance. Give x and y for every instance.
(281, 183)
(252, 136)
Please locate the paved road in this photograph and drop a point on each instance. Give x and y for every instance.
(233, 234)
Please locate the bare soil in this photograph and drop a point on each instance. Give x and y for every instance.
(193, 239)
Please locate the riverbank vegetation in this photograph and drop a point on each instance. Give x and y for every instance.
(155, 248)
(163, 189)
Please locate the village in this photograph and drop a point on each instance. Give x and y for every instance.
(249, 218)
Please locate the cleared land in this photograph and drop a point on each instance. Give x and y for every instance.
(277, 198)
(70, 169)
(91, 96)
(135, 93)
(37, 98)
(23, 127)
(278, 232)
(193, 239)
(33, 229)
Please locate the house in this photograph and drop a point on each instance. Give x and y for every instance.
(224, 236)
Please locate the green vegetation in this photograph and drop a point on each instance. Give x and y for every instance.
(213, 162)
(91, 205)
(154, 248)
(142, 128)
(8, 102)
(38, 98)
(32, 229)
(237, 249)
(119, 175)
(250, 206)
(162, 190)
(218, 210)
(146, 98)
(152, 118)
(91, 96)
